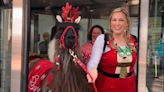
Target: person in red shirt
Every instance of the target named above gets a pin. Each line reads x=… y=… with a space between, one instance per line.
x=112 y=69
x=86 y=48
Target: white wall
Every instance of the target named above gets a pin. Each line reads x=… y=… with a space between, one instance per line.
x=104 y=23
x=83 y=31
x=134 y=26
x=45 y=23
x=101 y=22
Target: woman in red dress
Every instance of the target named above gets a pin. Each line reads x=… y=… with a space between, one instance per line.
x=86 y=48
x=112 y=68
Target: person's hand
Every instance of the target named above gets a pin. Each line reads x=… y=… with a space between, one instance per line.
x=94 y=74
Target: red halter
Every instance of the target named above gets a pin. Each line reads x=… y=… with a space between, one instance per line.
x=78 y=61
x=63 y=34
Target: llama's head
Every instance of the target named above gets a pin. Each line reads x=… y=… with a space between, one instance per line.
x=65 y=32
x=67 y=28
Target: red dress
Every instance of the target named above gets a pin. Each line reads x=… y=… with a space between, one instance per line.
x=108 y=64
x=86 y=50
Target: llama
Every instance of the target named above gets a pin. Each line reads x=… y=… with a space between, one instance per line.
x=67 y=73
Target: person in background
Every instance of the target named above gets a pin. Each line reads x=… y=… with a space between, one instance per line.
x=86 y=48
x=112 y=69
x=43 y=45
x=160 y=52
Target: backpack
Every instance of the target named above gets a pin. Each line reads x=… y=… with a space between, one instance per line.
x=105 y=40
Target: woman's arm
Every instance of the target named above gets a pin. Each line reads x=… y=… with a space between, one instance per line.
x=97 y=52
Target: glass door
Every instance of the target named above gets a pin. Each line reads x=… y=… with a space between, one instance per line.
x=5 y=45
x=155 y=58
x=13 y=45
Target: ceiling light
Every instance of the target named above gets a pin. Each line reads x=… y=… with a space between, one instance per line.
x=134 y=2
x=91 y=10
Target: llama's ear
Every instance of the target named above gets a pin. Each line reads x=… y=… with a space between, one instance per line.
x=77 y=20
x=59 y=19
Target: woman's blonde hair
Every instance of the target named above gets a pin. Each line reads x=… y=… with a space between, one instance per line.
x=127 y=34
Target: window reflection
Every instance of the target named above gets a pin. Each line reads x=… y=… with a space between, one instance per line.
x=5 y=49
x=155 y=59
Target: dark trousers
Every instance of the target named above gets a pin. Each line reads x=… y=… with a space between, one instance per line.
x=161 y=67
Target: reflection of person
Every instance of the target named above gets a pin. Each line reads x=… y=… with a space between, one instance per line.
x=112 y=68
x=160 y=51
x=86 y=48
x=43 y=45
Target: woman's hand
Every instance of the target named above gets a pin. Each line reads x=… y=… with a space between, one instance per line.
x=94 y=74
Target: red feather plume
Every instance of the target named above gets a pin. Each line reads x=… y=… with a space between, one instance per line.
x=69 y=14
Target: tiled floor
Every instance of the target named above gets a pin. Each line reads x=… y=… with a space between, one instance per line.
x=158 y=84
x=155 y=84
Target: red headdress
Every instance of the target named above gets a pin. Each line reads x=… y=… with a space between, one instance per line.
x=69 y=14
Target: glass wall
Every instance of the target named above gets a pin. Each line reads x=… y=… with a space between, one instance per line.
x=155 y=57
x=5 y=46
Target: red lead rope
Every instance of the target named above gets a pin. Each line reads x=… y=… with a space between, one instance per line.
x=77 y=60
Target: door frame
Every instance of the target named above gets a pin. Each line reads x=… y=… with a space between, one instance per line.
x=143 y=41
x=20 y=45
